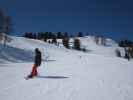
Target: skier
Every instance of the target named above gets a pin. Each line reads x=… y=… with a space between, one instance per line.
x=37 y=62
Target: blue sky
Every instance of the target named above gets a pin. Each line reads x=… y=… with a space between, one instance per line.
x=112 y=18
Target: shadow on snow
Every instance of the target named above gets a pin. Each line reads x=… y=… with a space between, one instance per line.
x=12 y=54
x=53 y=77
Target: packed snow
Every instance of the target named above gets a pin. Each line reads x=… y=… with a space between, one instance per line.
x=65 y=74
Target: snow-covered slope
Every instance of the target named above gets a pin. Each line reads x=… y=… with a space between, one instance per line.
x=64 y=74
x=109 y=50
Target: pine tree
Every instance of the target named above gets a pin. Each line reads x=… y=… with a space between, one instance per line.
x=79 y=34
x=45 y=36
x=66 y=42
x=77 y=44
x=54 y=40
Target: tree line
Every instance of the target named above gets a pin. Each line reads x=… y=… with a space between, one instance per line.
x=128 y=49
x=51 y=37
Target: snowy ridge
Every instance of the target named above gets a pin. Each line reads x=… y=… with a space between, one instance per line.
x=65 y=74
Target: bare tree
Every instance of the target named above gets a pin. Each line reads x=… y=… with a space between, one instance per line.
x=8 y=25
x=1 y=25
x=5 y=27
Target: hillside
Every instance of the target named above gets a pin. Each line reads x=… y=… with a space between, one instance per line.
x=64 y=74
